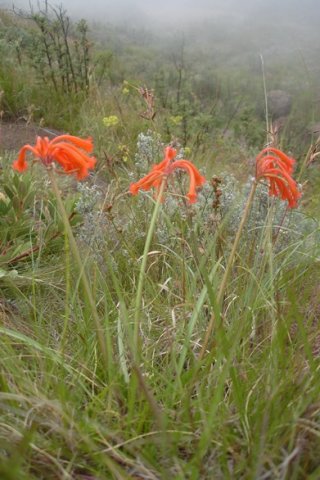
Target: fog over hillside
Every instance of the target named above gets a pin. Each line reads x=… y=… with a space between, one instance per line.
x=232 y=30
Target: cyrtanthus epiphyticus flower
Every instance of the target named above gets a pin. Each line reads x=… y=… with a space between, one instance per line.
x=277 y=168
x=161 y=171
x=70 y=152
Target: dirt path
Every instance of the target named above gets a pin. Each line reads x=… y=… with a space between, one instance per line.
x=14 y=135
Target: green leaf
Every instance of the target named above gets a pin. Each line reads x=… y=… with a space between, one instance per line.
x=4 y=207
x=9 y=191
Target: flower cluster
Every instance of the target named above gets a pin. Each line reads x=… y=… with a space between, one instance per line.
x=277 y=168
x=161 y=171
x=110 y=121
x=70 y=152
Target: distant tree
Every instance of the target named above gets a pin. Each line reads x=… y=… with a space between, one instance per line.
x=59 y=51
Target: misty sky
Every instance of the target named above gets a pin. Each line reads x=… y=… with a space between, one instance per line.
x=177 y=12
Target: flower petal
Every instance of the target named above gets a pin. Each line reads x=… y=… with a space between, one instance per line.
x=20 y=164
x=196 y=179
x=85 y=144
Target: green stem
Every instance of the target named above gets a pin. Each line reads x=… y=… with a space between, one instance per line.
x=228 y=269
x=68 y=290
x=84 y=279
x=142 y=274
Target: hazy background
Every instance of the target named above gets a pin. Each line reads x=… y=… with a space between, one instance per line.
x=230 y=32
x=271 y=27
x=180 y=12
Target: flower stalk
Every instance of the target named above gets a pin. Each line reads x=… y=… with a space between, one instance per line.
x=142 y=273
x=73 y=155
x=276 y=168
x=85 y=282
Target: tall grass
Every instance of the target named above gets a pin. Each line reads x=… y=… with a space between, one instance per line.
x=250 y=409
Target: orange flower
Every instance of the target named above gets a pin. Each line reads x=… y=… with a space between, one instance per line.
x=166 y=167
x=70 y=152
x=277 y=167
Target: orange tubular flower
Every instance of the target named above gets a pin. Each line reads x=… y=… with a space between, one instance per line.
x=277 y=168
x=166 y=167
x=70 y=152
